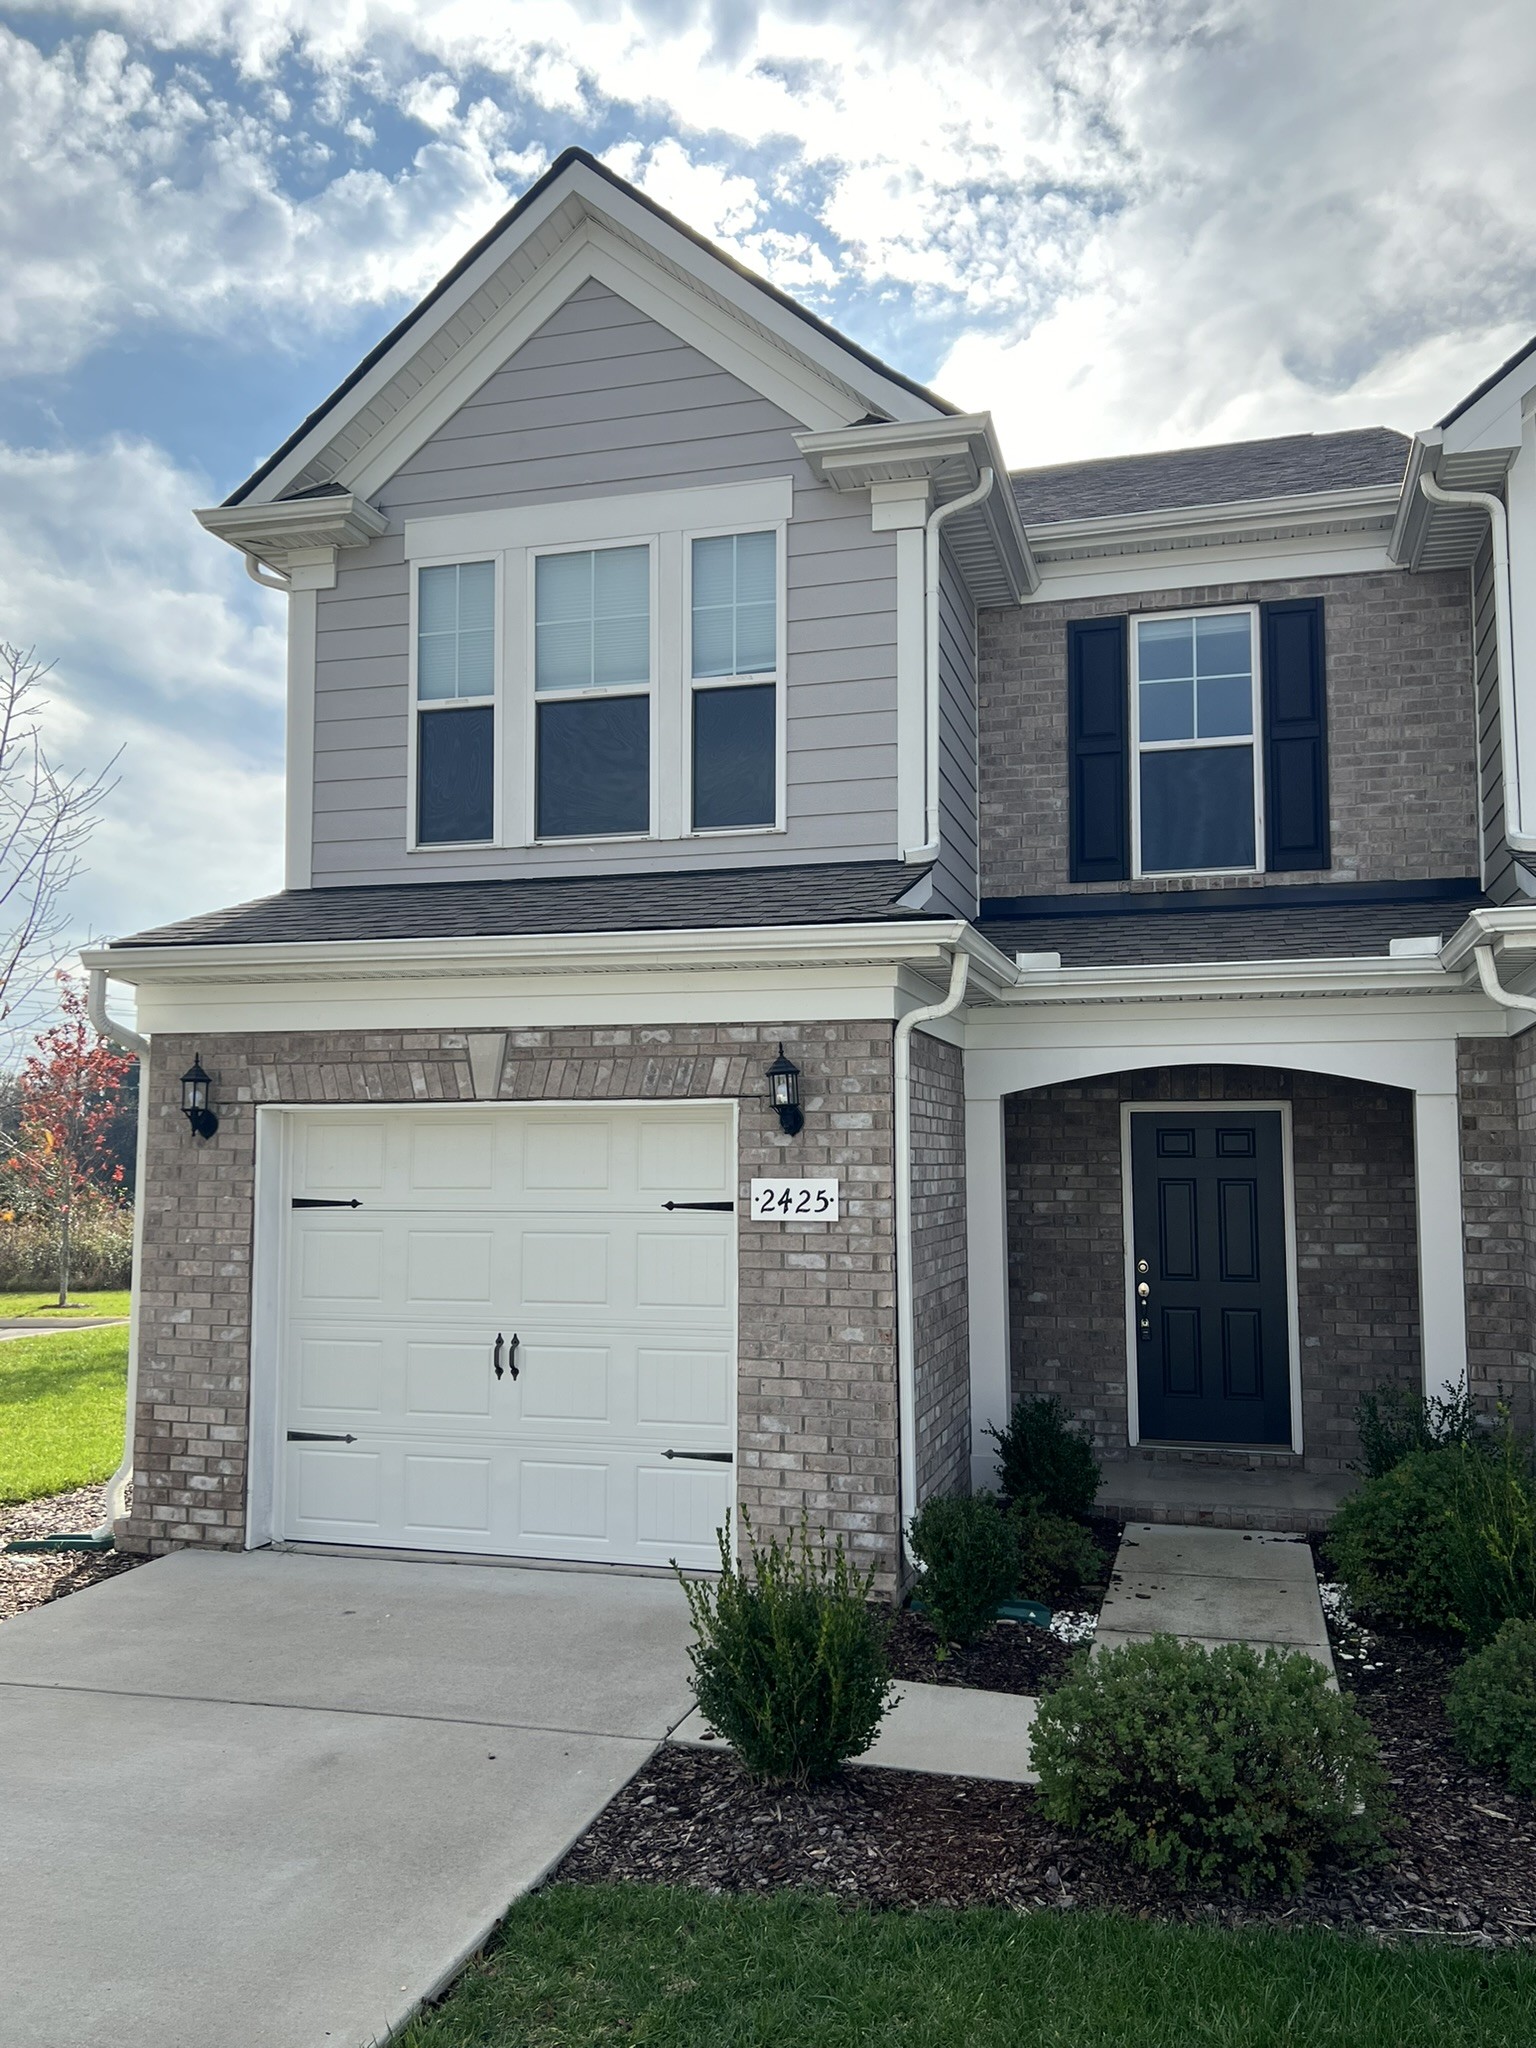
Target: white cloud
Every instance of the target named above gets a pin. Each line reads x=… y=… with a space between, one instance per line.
x=163 y=649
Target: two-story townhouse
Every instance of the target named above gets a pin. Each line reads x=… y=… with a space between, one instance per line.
x=794 y=935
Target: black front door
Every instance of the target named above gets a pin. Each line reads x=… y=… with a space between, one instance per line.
x=1211 y=1320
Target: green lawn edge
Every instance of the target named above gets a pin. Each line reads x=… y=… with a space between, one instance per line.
x=659 y=1967
x=38 y=1301
x=63 y=1406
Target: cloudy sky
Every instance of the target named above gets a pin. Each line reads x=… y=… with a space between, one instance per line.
x=1120 y=224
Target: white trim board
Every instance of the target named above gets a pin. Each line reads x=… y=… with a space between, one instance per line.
x=1128 y=1228
x=461 y=536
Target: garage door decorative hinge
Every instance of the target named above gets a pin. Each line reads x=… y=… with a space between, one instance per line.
x=318 y=1436
x=705 y=1457
x=726 y=1208
x=320 y=1202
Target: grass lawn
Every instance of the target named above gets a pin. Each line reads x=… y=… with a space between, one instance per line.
x=655 y=1968
x=61 y=1410
x=39 y=1302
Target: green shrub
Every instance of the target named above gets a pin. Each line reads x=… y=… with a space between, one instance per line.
x=1492 y=1706
x=969 y=1551
x=790 y=1665
x=1057 y=1556
x=1043 y=1456
x=1445 y=1540
x=1217 y=1766
x=1396 y=1421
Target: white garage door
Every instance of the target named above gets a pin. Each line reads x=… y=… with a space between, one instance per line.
x=425 y=1247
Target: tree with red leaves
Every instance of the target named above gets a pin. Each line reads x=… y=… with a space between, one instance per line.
x=61 y=1160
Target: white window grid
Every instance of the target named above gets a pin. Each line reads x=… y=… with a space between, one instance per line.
x=429 y=707
x=692 y=684
x=1252 y=739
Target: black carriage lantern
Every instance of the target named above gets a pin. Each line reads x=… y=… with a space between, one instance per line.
x=784 y=1093
x=194 y=1099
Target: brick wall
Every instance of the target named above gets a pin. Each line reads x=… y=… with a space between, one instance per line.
x=817 y=1379
x=943 y=1392
x=1357 y=1273
x=1402 y=774
x=1497 y=1082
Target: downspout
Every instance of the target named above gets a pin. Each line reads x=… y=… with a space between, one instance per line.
x=906 y=1319
x=1515 y=836
x=126 y=1041
x=269 y=579
x=1493 y=988
x=933 y=697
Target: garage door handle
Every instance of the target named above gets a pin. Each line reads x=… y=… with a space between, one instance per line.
x=318 y=1436
x=726 y=1208
x=320 y=1202
x=704 y=1457
x=496 y=1355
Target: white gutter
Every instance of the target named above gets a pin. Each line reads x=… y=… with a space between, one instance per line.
x=1515 y=835
x=131 y=1042
x=906 y=1320
x=933 y=697
x=1493 y=988
x=268 y=579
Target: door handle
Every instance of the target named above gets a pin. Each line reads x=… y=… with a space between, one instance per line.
x=1142 y=1290
x=512 y=1356
x=496 y=1355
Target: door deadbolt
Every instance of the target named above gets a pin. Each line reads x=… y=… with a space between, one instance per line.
x=1142 y=1266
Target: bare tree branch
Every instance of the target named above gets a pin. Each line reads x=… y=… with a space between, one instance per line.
x=46 y=817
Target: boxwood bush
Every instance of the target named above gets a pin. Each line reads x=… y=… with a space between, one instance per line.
x=790 y=1665
x=1492 y=1706
x=1044 y=1457
x=1446 y=1540
x=1057 y=1556
x=1214 y=1766
x=969 y=1553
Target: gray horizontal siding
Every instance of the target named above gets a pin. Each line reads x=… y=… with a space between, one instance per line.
x=1500 y=880
x=955 y=875
x=602 y=400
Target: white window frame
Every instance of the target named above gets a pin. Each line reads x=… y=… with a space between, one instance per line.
x=1252 y=739
x=667 y=521
x=414 y=844
x=534 y=696
x=692 y=683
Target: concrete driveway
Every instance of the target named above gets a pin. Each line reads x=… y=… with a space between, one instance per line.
x=271 y=1801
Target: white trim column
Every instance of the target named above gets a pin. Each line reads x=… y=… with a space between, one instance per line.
x=303 y=621
x=1442 y=1269
x=986 y=1208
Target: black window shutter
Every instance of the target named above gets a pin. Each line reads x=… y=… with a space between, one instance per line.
x=1295 y=735
x=1097 y=716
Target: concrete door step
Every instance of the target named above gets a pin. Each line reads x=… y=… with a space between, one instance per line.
x=952 y=1730
x=1214 y=1586
x=1185 y=1493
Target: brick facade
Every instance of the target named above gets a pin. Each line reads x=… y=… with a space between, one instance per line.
x=1497 y=1083
x=943 y=1391
x=1401 y=740
x=817 y=1361
x=1357 y=1256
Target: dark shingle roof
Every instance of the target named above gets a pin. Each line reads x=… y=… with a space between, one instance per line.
x=1210 y=927
x=834 y=893
x=1292 y=466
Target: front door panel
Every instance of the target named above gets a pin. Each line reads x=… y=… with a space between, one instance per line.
x=1211 y=1316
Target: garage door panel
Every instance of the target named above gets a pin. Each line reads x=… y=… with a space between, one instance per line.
x=343 y=1373
x=682 y=1387
x=544 y=1226
x=448 y=1265
x=565 y=1268
x=565 y=1383
x=447 y=1380
x=450 y=1494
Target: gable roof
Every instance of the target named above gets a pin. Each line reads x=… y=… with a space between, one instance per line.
x=1234 y=472
x=575 y=169
x=1482 y=390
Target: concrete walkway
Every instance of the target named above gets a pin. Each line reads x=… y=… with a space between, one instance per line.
x=39 y=1326
x=1214 y=1586
x=272 y=1801
x=957 y=1731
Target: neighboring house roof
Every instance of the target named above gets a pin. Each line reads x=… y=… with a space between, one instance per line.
x=563 y=164
x=1294 y=465
x=861 y=892
x=1466 y=404
x=1211 y=925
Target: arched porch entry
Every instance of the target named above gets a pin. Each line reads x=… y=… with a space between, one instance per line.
x=1373 y=1223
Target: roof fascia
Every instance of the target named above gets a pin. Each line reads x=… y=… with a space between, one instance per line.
x=1236 y=980
x=1369 y=506
x=918 y=943
x=1510 y=930
x=821 y=357
x=274 y=533
x=1519 y=364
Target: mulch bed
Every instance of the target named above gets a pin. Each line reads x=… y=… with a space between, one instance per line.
x=1464 y=1866
x=36 y=1577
